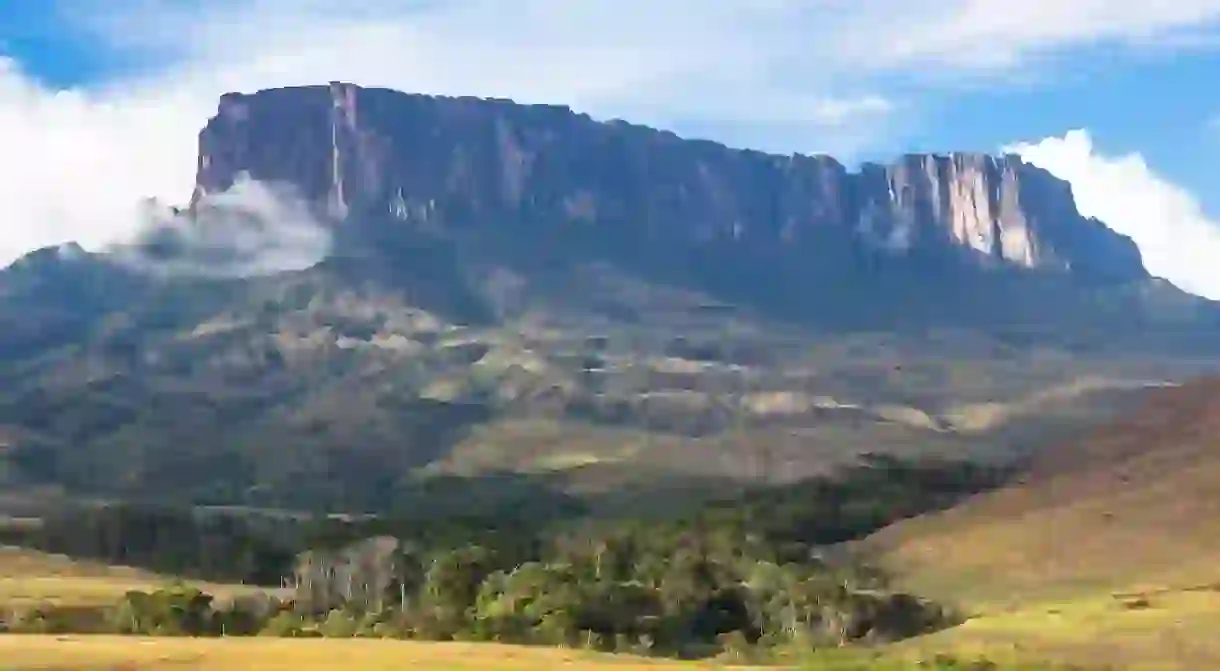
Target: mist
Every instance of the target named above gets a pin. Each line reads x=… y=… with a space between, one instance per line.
x=253 y=228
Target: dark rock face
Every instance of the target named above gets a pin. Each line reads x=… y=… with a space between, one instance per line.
x=462 y=163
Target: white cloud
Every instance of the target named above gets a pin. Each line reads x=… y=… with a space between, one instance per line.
x=994 y=35
x=778 y=75
x=1176 y=237
x=251 y=228
x=76 y=164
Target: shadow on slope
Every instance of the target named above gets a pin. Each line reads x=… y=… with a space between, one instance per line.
x=188 y=446
x=1129 y=505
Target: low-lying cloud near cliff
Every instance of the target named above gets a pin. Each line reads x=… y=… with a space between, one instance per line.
x=83 y=165
x=1176 y=237
x=253 y=228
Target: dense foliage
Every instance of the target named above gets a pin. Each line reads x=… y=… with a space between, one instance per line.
x=686 y=592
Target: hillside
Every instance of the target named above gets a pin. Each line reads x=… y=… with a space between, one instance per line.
x=1129 y=507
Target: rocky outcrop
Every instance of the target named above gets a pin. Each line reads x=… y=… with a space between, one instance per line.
x=996 y=207
x=469 y=162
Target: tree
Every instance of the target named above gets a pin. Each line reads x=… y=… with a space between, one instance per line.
x=177 y=611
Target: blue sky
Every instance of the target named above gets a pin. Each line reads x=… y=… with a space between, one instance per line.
x=103 y=98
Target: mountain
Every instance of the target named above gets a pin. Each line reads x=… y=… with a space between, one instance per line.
x=468 y=162
x=471 y=286
x=526 y=193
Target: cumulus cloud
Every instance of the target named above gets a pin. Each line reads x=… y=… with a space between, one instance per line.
x=1176 y=237
x=76 y=163
x=252 y=228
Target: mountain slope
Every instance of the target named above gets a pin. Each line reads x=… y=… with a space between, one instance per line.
x=1131 y=505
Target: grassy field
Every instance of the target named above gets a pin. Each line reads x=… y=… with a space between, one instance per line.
x=1166 y=630
x=95 y=653
x=29 y=578
x=114 y=653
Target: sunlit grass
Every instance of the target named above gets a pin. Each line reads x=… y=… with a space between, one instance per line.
x=1169 y=629
x=31 y=578
x=94 y=653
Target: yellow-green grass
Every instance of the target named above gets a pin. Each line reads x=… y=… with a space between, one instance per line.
x=31 y=578
x=1161 y=630
x=111 y=653
x=1133 y=509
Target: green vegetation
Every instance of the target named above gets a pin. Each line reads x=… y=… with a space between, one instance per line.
x=739 y=578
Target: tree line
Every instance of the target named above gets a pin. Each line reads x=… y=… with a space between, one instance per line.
x=742 y=576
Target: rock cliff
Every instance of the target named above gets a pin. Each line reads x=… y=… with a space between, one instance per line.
x=469 y=162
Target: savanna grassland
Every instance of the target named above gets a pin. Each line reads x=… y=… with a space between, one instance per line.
x=97 y=653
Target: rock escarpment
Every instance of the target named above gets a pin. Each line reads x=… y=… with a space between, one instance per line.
x=463 y=163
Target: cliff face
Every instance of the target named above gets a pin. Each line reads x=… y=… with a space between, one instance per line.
x=996 y=207
x=467 y=162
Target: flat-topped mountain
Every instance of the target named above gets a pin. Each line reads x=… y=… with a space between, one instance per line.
x=463 y=286
x=535 y=169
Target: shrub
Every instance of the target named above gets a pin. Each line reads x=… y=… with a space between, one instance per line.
x=176 y=611
x=339 y=624
x=286 y=625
